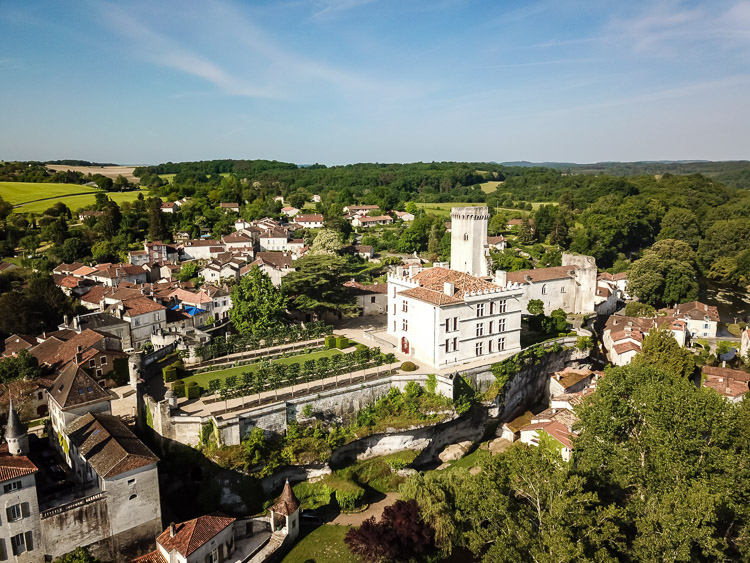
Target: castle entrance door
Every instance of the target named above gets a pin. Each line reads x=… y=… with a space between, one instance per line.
x=404 y=345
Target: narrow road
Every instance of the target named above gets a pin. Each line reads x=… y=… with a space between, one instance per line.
x=375 y=509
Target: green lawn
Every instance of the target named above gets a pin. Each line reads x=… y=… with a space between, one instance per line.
x=324 y=544
x=203 y=378
x=20 y=192
x=23 y=194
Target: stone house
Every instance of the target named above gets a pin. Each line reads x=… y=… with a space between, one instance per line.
x=275 y=264
x=702 y=320
x=208 y=538
x=366 y=222
x=732 y=384
x=226 y=207
x=372 y=299
x=145 y=316
x=310 y=221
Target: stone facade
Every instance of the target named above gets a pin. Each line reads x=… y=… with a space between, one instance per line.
x=469 y=249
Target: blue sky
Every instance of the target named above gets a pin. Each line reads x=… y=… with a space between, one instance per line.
x=342 y=81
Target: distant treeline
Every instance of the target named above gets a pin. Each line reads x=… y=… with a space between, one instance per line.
x=79 y=163
x=734 y=173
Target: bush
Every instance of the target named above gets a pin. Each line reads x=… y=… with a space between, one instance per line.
x=330 y=342
x=170 y=373
x=350 y=498
x=307 y=410
x=179 y=388
x=583 y=342
x=360 y=347
x=342 y=342
x=193 y=390
x=431 y=384
x=408 y=366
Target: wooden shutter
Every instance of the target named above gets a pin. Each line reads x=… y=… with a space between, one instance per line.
x=8 y=514
x=25 y=512
x=208 y=558
x=221 y=552
x=3 y=551
x=29 y=541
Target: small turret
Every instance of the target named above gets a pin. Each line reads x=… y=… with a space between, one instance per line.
x=16 y=434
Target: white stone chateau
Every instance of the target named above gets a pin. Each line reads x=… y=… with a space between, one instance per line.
x=444 y=317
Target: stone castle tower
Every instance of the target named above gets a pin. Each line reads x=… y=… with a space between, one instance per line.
x=16 y=434
x=469 y=249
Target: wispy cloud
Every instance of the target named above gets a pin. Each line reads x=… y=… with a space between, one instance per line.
x=240 y=58
x=330 y=9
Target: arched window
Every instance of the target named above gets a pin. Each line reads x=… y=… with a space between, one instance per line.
x=466 y=236
x=132 y=497
x=544 y=289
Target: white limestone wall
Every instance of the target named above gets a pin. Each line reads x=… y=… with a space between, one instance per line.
x=469 y=240
x=133 y=500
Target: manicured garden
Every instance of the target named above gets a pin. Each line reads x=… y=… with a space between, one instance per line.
x=203 y=378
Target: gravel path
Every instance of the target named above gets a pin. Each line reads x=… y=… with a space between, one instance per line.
x=375 y=510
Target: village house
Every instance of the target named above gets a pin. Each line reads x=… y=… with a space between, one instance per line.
x=702 y=320
x=516 y=223
x=144 y=315
x=169 y=207
x=372 y=299
x=275 y=264
x=206 y=538
x=570 y=380
x=606 y=298
x=618 y=282
x=289 y=211
x=239 y=240
x=359 y=210
x=201 y=249
x=227 y=207
x=158 y=251
x=404 y=216
x=497 y=243
x=623 y=336
x=732 y=384
x=273 y=240
x=312 y=221
x=366 y=222
x=557 y=433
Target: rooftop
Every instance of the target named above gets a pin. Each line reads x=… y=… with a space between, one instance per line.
x=191 y=535
x=14 y=466
x=108 y=445
x=432 y=286
x=541 y=274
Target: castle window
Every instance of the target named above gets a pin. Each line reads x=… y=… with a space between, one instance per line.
x=480 y=310
x=500 y=344
x=489 y=346
x=501 y=325
x=131 y=481
x=466 y=236
x=502 y=306
x=103 y=360
x=478 y=348
x=544 y=289
x=404 y=306
x=562 y=289
x=491 y=328
x=132 y=497
x=480 y=329
x=92 y=363
x=492 y=309
x=404 y=325
x=372 y=299
x=14 y=486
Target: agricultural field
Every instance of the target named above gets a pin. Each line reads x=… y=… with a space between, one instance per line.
x=444 y=209
x=29 y=197
x=23 y=192
x=109 y=171
x=489 y=187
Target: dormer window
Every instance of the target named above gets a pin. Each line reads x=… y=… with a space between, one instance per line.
x=80 y=391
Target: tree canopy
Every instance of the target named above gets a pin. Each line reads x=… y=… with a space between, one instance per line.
x=257 y=305
x=317 y=285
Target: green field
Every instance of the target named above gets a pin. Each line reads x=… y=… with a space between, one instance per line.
x=22 y=192
x=203 y=378
x=24 y=195
x=444 y=209
x=324 y=544
x=489 y=187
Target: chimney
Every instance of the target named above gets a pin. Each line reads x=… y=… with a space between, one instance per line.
x=413 y=270
x=66 y=319
x=79 y=355
x=76 y=322
x=449 y=288
x=501 y=277
x=172 y=530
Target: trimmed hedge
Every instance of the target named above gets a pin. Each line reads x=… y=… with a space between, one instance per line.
x=179 y=388
x=342 y=342
x=350 y=498
x=330 y=342
x=193 y=390
x=408 y=366
x=170 y=373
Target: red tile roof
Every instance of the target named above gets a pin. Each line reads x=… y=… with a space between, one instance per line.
x=140 y=306
x=151 y=557
x=626 y=347
x=725 y=385
x=108 y=445
x=727 y=373
x=540 y=274
x=191 y=535
x=312 y=218
x=432 y=282
x=13 y=467
x=694 y=310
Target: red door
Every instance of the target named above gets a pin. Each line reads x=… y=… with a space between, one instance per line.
x=404 y=345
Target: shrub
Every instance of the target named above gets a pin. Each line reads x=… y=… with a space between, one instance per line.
x=431 y=384
x=330 y=342
x=360 y=347
x=342 y=342
x=307 y=410
x=583 y=342
x=350 y=498
x=170 y=373
x=179 y=388
x=408 y=366
x=193 y=390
